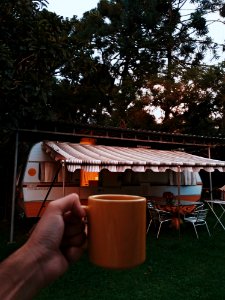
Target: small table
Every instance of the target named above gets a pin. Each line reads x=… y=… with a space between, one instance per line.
x=221 y=204
x=183 y=206
x=177 y=208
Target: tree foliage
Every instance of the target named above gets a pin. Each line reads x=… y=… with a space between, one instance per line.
x=195 y=102
x=33 y=46
x=121 y=45
x=107 y=67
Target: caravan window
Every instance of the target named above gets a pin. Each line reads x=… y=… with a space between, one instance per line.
x=47 y=171
x=186 y=178
x=155 y=178
x=70 y=177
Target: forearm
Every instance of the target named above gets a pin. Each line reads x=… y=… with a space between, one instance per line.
x=20 y=276
x=56 y=241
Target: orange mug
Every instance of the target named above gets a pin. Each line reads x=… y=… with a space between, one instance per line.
x=116 y=230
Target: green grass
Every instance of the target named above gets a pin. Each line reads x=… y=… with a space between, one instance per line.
x=176 y=267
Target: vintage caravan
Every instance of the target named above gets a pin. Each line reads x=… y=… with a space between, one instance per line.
x=56 y=169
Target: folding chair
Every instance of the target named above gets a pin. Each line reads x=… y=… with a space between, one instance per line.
x=198 y=218
x=197 y=208
x=158 y=216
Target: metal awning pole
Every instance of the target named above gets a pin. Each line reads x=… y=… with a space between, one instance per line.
x=48 y=192
x=64 y=176
x=14 y=188
x=210 y=176
x=178 y=193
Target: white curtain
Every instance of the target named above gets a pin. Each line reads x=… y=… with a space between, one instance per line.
x=186 y=178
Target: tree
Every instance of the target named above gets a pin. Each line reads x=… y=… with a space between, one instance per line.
x=176 y=88
x=33 y=48
x=109 y=67
x=106 y=60
x=121 y=45
x=193 y=104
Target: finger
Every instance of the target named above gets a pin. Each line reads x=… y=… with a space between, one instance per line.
x=74 y=229
x=72 y=254
x=68 y=203
x=69 y=217
x=74 y=241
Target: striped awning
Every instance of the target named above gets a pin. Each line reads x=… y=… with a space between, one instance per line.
x=94 y=158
